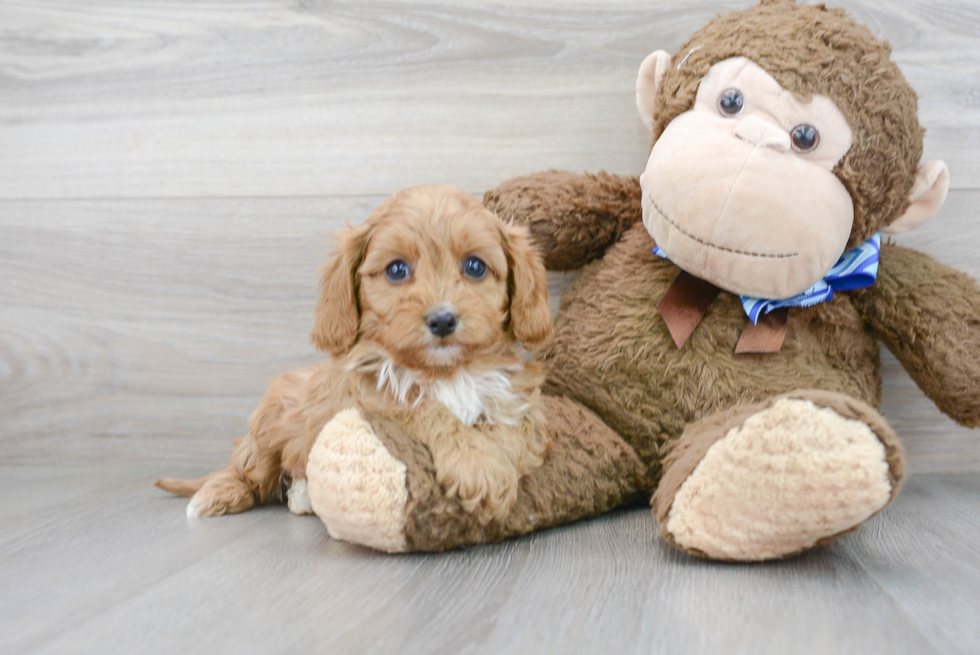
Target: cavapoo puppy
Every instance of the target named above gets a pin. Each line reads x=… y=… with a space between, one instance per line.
x=423 y=311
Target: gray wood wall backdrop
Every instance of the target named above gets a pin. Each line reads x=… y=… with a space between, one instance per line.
x=170 y=171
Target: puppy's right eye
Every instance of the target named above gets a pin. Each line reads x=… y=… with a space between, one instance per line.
x=474 y=268
x=396 y=271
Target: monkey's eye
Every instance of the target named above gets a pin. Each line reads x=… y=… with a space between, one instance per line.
x=396 y=271
x=731 y=102
x=804 y=137
x=474 y=268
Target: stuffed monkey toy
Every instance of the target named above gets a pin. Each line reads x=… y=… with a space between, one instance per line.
x=718 y=349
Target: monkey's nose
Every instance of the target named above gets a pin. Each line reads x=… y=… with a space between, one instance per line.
x=441 y=322
x=762 y=133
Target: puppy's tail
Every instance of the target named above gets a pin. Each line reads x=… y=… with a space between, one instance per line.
x=184 y=488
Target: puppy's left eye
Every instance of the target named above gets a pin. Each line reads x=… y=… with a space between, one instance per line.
x=474 y=268
x=396 y=271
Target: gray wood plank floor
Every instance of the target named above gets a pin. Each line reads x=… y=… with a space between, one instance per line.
x=94 y=560
x=169 y=174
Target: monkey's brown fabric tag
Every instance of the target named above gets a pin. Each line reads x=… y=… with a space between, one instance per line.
x=685 y=304
x=766 y=336
x=687 y=301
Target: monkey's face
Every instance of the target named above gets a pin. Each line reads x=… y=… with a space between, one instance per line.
x=740 y=190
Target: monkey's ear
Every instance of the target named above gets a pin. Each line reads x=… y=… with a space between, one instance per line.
x=927 y=196
x=648 y=81
x=337 y=316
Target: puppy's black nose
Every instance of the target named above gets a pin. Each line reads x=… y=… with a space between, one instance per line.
x=441 y=323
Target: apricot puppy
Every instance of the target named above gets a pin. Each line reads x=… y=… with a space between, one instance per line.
x=424 y=311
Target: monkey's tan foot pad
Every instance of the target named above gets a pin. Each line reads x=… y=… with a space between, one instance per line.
x=356 y=487
x=775 y=479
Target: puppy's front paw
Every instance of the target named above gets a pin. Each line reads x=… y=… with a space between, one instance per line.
x=485 y=484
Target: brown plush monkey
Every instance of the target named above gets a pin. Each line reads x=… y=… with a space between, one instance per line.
x=783 y=138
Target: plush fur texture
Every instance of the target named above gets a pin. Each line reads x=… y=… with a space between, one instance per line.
x=824 y=487
x=469 y=395
x=596 y=210
x=814 y=49
x=628 y=412
x=612 y=353
x=730 y=200
x=360 y=491
x=929 y=316
x=832 y=477
x=588 y=471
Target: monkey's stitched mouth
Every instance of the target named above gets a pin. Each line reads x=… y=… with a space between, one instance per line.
x=663 y=215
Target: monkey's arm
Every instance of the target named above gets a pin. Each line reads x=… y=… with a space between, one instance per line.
x=929 y=316
x=572 y=217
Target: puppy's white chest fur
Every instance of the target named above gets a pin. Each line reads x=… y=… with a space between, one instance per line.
x=469 y=396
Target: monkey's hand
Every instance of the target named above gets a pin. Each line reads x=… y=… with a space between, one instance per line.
x=928 y=315
x=572 y=217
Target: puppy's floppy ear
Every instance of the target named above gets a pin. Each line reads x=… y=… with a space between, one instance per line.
x=338 y=315
x=530 y=317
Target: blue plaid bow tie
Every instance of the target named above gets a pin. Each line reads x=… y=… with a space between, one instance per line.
x=856 y=269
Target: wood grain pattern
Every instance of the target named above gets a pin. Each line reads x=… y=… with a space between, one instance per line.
x=271 y=98
x=169 y=173
x=117 y=568
x=140 y=324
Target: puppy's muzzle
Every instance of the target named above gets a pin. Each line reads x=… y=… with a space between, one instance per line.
x=441 y=321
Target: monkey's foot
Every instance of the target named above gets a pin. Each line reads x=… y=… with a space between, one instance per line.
x=356 y=487
x=777 y=478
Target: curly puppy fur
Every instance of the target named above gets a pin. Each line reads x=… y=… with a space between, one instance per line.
x=469 y=396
